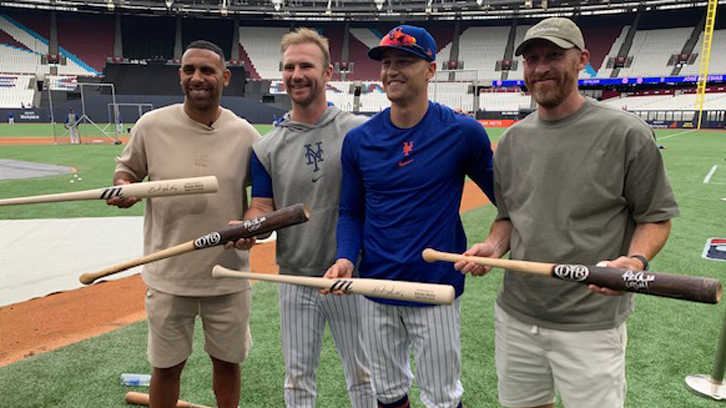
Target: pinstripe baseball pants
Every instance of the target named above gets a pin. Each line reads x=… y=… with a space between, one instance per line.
x=389 y=332
x=303 y=313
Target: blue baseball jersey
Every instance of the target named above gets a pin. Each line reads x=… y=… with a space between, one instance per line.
x=402 y=191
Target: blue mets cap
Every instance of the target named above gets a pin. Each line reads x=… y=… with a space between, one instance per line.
x=407 y=38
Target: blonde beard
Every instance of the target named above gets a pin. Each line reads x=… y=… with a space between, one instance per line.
x=552 y=96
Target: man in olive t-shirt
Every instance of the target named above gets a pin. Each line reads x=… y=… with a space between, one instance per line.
x=575 y=182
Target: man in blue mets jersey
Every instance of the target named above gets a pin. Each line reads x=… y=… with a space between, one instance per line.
x=403 y=178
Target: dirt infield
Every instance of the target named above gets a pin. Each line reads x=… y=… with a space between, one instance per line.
x=47 y=323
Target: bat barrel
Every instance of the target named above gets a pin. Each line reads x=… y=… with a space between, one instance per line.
x=160 y=188
x=288 y=216
x=693 y=288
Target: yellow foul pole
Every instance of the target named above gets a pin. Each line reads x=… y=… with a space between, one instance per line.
x=705 y=58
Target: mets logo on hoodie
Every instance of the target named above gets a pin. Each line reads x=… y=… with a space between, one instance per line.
x=314 y=156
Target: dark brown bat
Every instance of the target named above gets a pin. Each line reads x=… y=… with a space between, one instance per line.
x=282 y=218
x=696 y=289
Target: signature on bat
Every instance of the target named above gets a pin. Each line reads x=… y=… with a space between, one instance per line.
x=637 y=279
x=387 y=289
x=254 y=224
x=162 y=188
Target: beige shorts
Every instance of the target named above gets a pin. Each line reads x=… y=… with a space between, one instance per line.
x=225 y=320
x=587 y=368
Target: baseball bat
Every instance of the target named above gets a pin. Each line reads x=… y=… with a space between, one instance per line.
x=140 y=398
x=160 y=188
x=282 y=218
x=387 y=289
x=693 y=288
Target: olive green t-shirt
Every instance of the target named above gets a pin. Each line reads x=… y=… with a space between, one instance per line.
x=574 y=190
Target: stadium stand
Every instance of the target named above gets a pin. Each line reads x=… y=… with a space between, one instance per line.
x=16 y=91
x=91 y=50
x=518 y=72
x=598 y=40
x=36 y=45
x=362 y=39
x=511 y=100
x=86 y=41
x=262 y=45
x=338 y=93
x=335 y=37
x=715 y=100
x=606 y=68
x=651 y=50
x=718 y=59
x=481 y=47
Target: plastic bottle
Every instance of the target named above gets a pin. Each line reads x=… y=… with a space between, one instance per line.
x=136 y=380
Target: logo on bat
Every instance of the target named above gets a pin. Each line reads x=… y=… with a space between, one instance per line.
x=111 y=192
x=577 y=273
x=208 y=240
x=341 y=284
x=637 y=280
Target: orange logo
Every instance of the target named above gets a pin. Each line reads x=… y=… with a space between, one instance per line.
x=407 y=147
x=398 y=37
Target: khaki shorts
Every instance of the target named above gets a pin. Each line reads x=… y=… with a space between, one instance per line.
x=225 y=320
x=587 y=368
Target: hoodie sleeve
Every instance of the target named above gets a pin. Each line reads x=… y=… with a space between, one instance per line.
x=261 y=180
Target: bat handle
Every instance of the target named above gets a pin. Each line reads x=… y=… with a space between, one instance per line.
x=90 y=277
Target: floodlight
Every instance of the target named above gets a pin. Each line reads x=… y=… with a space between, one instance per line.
x=379 y=4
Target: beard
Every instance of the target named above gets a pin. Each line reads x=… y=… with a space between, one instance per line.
x=200 y=103
x=551 y=94
x=305 y=100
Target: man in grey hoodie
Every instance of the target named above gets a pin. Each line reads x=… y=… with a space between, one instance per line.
x=299 y=162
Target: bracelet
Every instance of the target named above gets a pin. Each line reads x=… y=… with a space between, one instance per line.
x=642 y=259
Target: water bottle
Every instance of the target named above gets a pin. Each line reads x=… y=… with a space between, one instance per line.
x=136 y=380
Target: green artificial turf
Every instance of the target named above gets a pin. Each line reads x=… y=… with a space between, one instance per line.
x=668 y=339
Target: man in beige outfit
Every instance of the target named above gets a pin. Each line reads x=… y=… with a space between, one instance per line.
x=198 y=138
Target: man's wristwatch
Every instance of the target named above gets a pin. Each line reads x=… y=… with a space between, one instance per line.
x=642 y=259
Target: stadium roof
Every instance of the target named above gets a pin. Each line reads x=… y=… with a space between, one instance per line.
x=340 y=10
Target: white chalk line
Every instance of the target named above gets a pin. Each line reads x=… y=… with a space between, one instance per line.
x=709 y=175
x=674 y=135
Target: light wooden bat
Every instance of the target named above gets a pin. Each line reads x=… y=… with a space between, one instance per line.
x=693 y=288
x=140 y=398
x=387 y=289
x=282 y=218
x=161 y=188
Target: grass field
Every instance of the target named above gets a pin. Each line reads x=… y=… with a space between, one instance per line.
x=668 y=339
